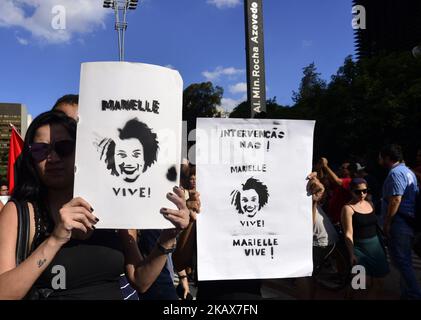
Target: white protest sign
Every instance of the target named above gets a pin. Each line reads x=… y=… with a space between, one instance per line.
x=256 y=218
x=128 y=145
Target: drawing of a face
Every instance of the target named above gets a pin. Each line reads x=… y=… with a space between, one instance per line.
x=131 y=153
x=129 y=158
x=249 y=200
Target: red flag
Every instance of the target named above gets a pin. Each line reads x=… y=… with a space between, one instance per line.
x=15 y=149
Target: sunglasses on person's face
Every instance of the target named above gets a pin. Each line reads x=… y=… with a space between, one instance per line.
x=360 y=191
x=40 y=151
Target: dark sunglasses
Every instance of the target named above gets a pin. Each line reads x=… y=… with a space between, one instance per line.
x=360 y=191
x=40 y=151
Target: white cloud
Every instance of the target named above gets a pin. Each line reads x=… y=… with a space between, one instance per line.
x=224 y=3
x=220 y=71
x=170 y=66
x=38 y=17
x=229 y=104
x=22 y=41
x=240 y=87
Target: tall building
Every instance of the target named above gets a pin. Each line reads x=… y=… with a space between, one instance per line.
x=10 y=113
x=391 y=26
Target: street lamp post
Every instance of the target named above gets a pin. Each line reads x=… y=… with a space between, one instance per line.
x=256 y=84
x=120 y=8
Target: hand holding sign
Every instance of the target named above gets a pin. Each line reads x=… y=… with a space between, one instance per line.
x=193 y=203
x=74 y=216
x=179 y=218
x=315 y=187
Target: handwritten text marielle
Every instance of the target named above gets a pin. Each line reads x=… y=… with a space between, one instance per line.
x=131 y=105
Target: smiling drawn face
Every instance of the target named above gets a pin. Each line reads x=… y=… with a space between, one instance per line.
x=131 y=152
x=129 y=158
x=249 y=200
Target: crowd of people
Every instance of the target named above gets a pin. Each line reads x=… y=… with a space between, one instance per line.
x=348 y=205
x=375 y=222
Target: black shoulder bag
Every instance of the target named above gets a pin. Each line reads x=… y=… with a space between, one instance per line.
x=22 y=246
x=22 y=242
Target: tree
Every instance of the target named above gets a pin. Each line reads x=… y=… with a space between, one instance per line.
x=273 y=110
x=201 y=100
x=311 y=84
x=366 y=104
x=241 y=111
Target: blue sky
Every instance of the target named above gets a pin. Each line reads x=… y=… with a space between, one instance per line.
x=202 y=39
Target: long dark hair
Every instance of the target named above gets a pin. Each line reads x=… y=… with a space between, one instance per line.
x=28 y=184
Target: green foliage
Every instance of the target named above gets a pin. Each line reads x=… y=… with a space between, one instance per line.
x=273 y=110
x=311 y=85
x=365 y=105
x=201 y=100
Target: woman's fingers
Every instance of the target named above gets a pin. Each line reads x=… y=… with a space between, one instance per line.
x=179 y=218
x=79 y=202
x=178 y=200
x=70 y=212
x=79 y=226
x=80 y=217
x=176 y=221
x=92 y=218
x=312 y=176
x=176 y=213
x=179 y=191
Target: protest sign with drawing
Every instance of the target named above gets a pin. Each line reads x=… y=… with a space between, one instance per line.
x=128 y=146
x=256 y=219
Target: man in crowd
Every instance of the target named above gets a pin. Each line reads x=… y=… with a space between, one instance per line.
x=68 y=104
x=398 y=208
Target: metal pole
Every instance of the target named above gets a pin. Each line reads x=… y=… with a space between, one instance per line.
x=124 y=29
x=120 y=10
x=117 y=28
x=256 y=86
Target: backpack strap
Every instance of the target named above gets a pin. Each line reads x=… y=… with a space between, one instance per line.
x=22 y=241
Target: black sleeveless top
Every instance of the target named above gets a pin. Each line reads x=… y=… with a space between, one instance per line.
x=92 y=269
x=364 y=225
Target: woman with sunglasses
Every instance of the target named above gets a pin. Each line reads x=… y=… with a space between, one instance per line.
x=359 y=222
x=68 y=258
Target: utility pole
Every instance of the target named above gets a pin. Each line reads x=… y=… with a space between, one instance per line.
x=120 y=8
x=256 y=84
